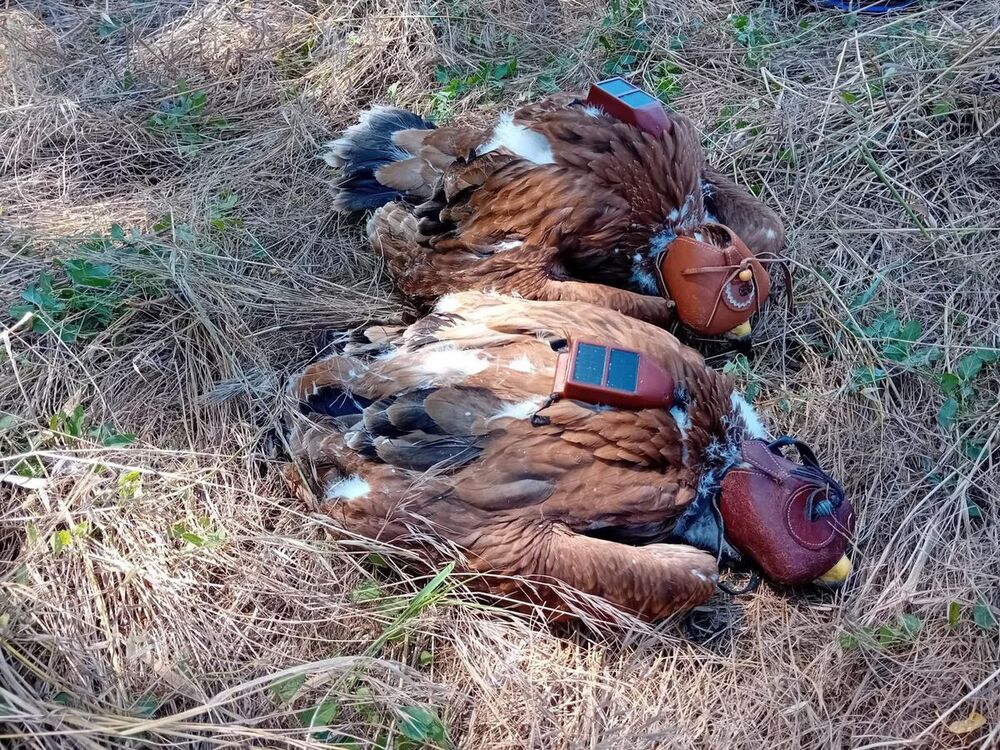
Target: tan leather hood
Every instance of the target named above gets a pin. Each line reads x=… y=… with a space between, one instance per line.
x=713 y=279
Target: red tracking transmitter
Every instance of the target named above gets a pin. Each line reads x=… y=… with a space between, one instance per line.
x=630 y=104
x=599 y=374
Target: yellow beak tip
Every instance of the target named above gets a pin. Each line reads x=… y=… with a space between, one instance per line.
x=839 y=573
x=741 y=331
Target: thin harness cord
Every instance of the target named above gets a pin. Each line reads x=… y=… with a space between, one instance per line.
x=754 y=581
x=735 y=271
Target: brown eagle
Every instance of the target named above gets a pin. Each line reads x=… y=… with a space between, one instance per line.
x=555 y=201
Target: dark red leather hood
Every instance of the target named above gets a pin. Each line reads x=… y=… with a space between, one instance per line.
x=791 y=518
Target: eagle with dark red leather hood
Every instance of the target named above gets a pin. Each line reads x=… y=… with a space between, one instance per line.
x=444 y=436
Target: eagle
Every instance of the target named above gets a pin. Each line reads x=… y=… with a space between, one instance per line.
x=444 y=436
x=557 y=200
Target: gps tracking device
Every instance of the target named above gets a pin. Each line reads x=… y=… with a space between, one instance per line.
x=628 y=103
x=599 y=374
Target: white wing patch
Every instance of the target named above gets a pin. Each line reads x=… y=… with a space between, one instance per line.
x=449 y=303
x=682 y=419
x=453 y=362
x=518 y=139
x=522 y=364
x=683 y=424
x=520 y=409
x=350 y=488
x=755 y=428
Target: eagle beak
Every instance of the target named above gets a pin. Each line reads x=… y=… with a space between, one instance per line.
x=836 y=576
x=741 y=337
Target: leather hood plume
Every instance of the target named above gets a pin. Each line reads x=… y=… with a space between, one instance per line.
x=713 y=279
x=792 y=519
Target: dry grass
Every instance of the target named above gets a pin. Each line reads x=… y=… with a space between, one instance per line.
x=880 y=144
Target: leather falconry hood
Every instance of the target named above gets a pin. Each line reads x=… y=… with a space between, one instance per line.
x=713 y=279
x=792 y=518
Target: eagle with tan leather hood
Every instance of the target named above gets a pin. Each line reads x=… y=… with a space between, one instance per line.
x=594 y=199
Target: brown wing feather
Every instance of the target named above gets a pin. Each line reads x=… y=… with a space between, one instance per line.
x=652 y=581
x=548 y=214
x=756 y=223
x=654 y=175
x=473 y=173
x=411 y=176
x=434 y=152
x=555 y=103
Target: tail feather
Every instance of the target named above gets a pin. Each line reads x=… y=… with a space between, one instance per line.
x=362 y=150
x=335 y=402
x=395 y=235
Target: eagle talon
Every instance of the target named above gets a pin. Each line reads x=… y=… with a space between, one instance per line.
x=707 y=623
x=748 y=588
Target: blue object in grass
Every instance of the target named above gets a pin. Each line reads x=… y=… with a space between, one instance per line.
x=866 y=6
